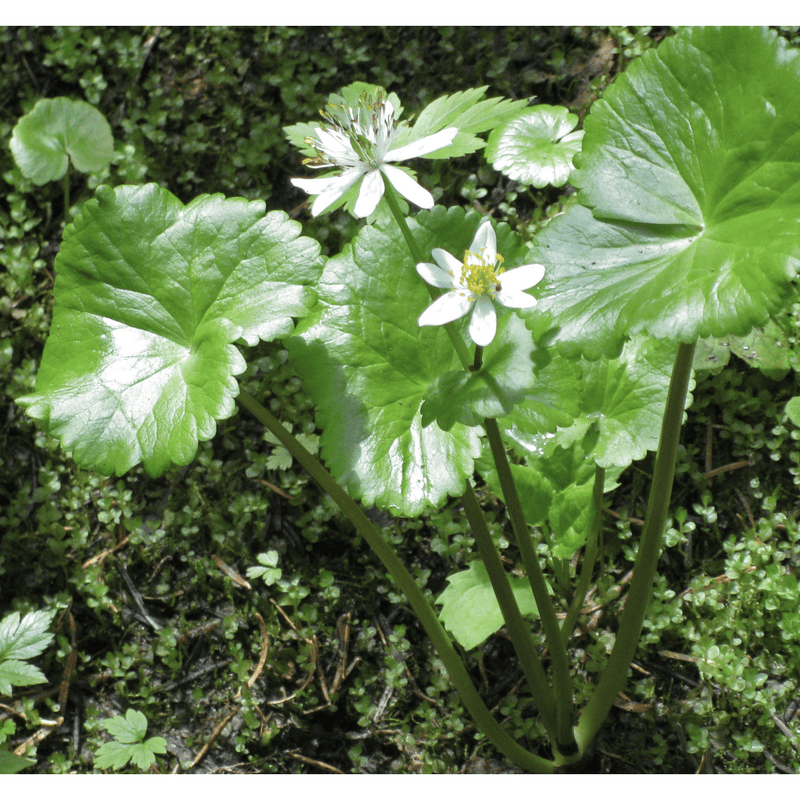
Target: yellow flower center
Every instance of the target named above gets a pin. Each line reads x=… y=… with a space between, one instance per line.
x=481 y=276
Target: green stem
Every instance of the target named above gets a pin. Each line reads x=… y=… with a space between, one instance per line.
x=615 y=672
x=589 y=556
x=562 y=679
x=419 y=257
x=517 y=628
x=419 y=603
x=67 y=215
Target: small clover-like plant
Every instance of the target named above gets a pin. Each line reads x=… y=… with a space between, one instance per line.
x=280 y=458
x=129 y=743
x=268 y=571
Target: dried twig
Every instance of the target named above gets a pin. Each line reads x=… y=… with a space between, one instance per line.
x=231 y=573
x=314 y=763
x=214 y=735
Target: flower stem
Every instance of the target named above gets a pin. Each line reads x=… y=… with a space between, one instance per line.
x=517 y=628
x=419 y=257
x=615 y=672
x=422 y=608
x=67 y=215
x=589 y=556
x=562 y=680
x=478 y=360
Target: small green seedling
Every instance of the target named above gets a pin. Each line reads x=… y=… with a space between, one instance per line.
x=56 y=132
x=269 y=571
x=129 y=743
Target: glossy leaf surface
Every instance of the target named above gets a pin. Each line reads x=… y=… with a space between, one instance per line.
x=536 y=147
x=367 y=364
x=691 y=168
x=150 y=296
x=621 y=403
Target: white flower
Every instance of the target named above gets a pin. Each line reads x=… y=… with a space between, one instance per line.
x=359 y=142
x=475 y=284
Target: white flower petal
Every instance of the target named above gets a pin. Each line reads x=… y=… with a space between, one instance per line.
x=486 y=241
x=336 y=147
x=336 y=187
x=450 y=264
x=523 y=277
x=423 y=146
x=370 y=194
x=445 y=309
x=483 y=325
x=515 y=299
x=315 y=185
x=435 y=275
x=408 y=187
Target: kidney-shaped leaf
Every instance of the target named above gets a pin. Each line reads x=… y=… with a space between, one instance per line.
x=367 y=364
x=691 y=168
x=150 y=296
x=57 y=130
x=537 y=146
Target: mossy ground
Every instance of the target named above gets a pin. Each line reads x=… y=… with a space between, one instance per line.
x=147 y=570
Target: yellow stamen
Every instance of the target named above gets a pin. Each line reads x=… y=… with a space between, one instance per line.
x=480 y=276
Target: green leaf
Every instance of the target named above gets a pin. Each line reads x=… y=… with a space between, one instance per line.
x=793 y=410
x=535 y=491
x=691 y=168
x=710 y=356
x=621 y=401
x=506 y=377
x=280 y=458
x=25 y=637
x=22 y=638
x=143 y=754
x=297 y=135
x=367 y=365
x=570 y=516
x=537 y=146
x=469 y=607
x=57 y=130
x=112 y=755
x=18 y=673
x=465 y=111
x=129 y=732
x=767 y=347
x=149 y=298
x=269 y=572
x=115 y=755
x=10 y=763
x=129 y=728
